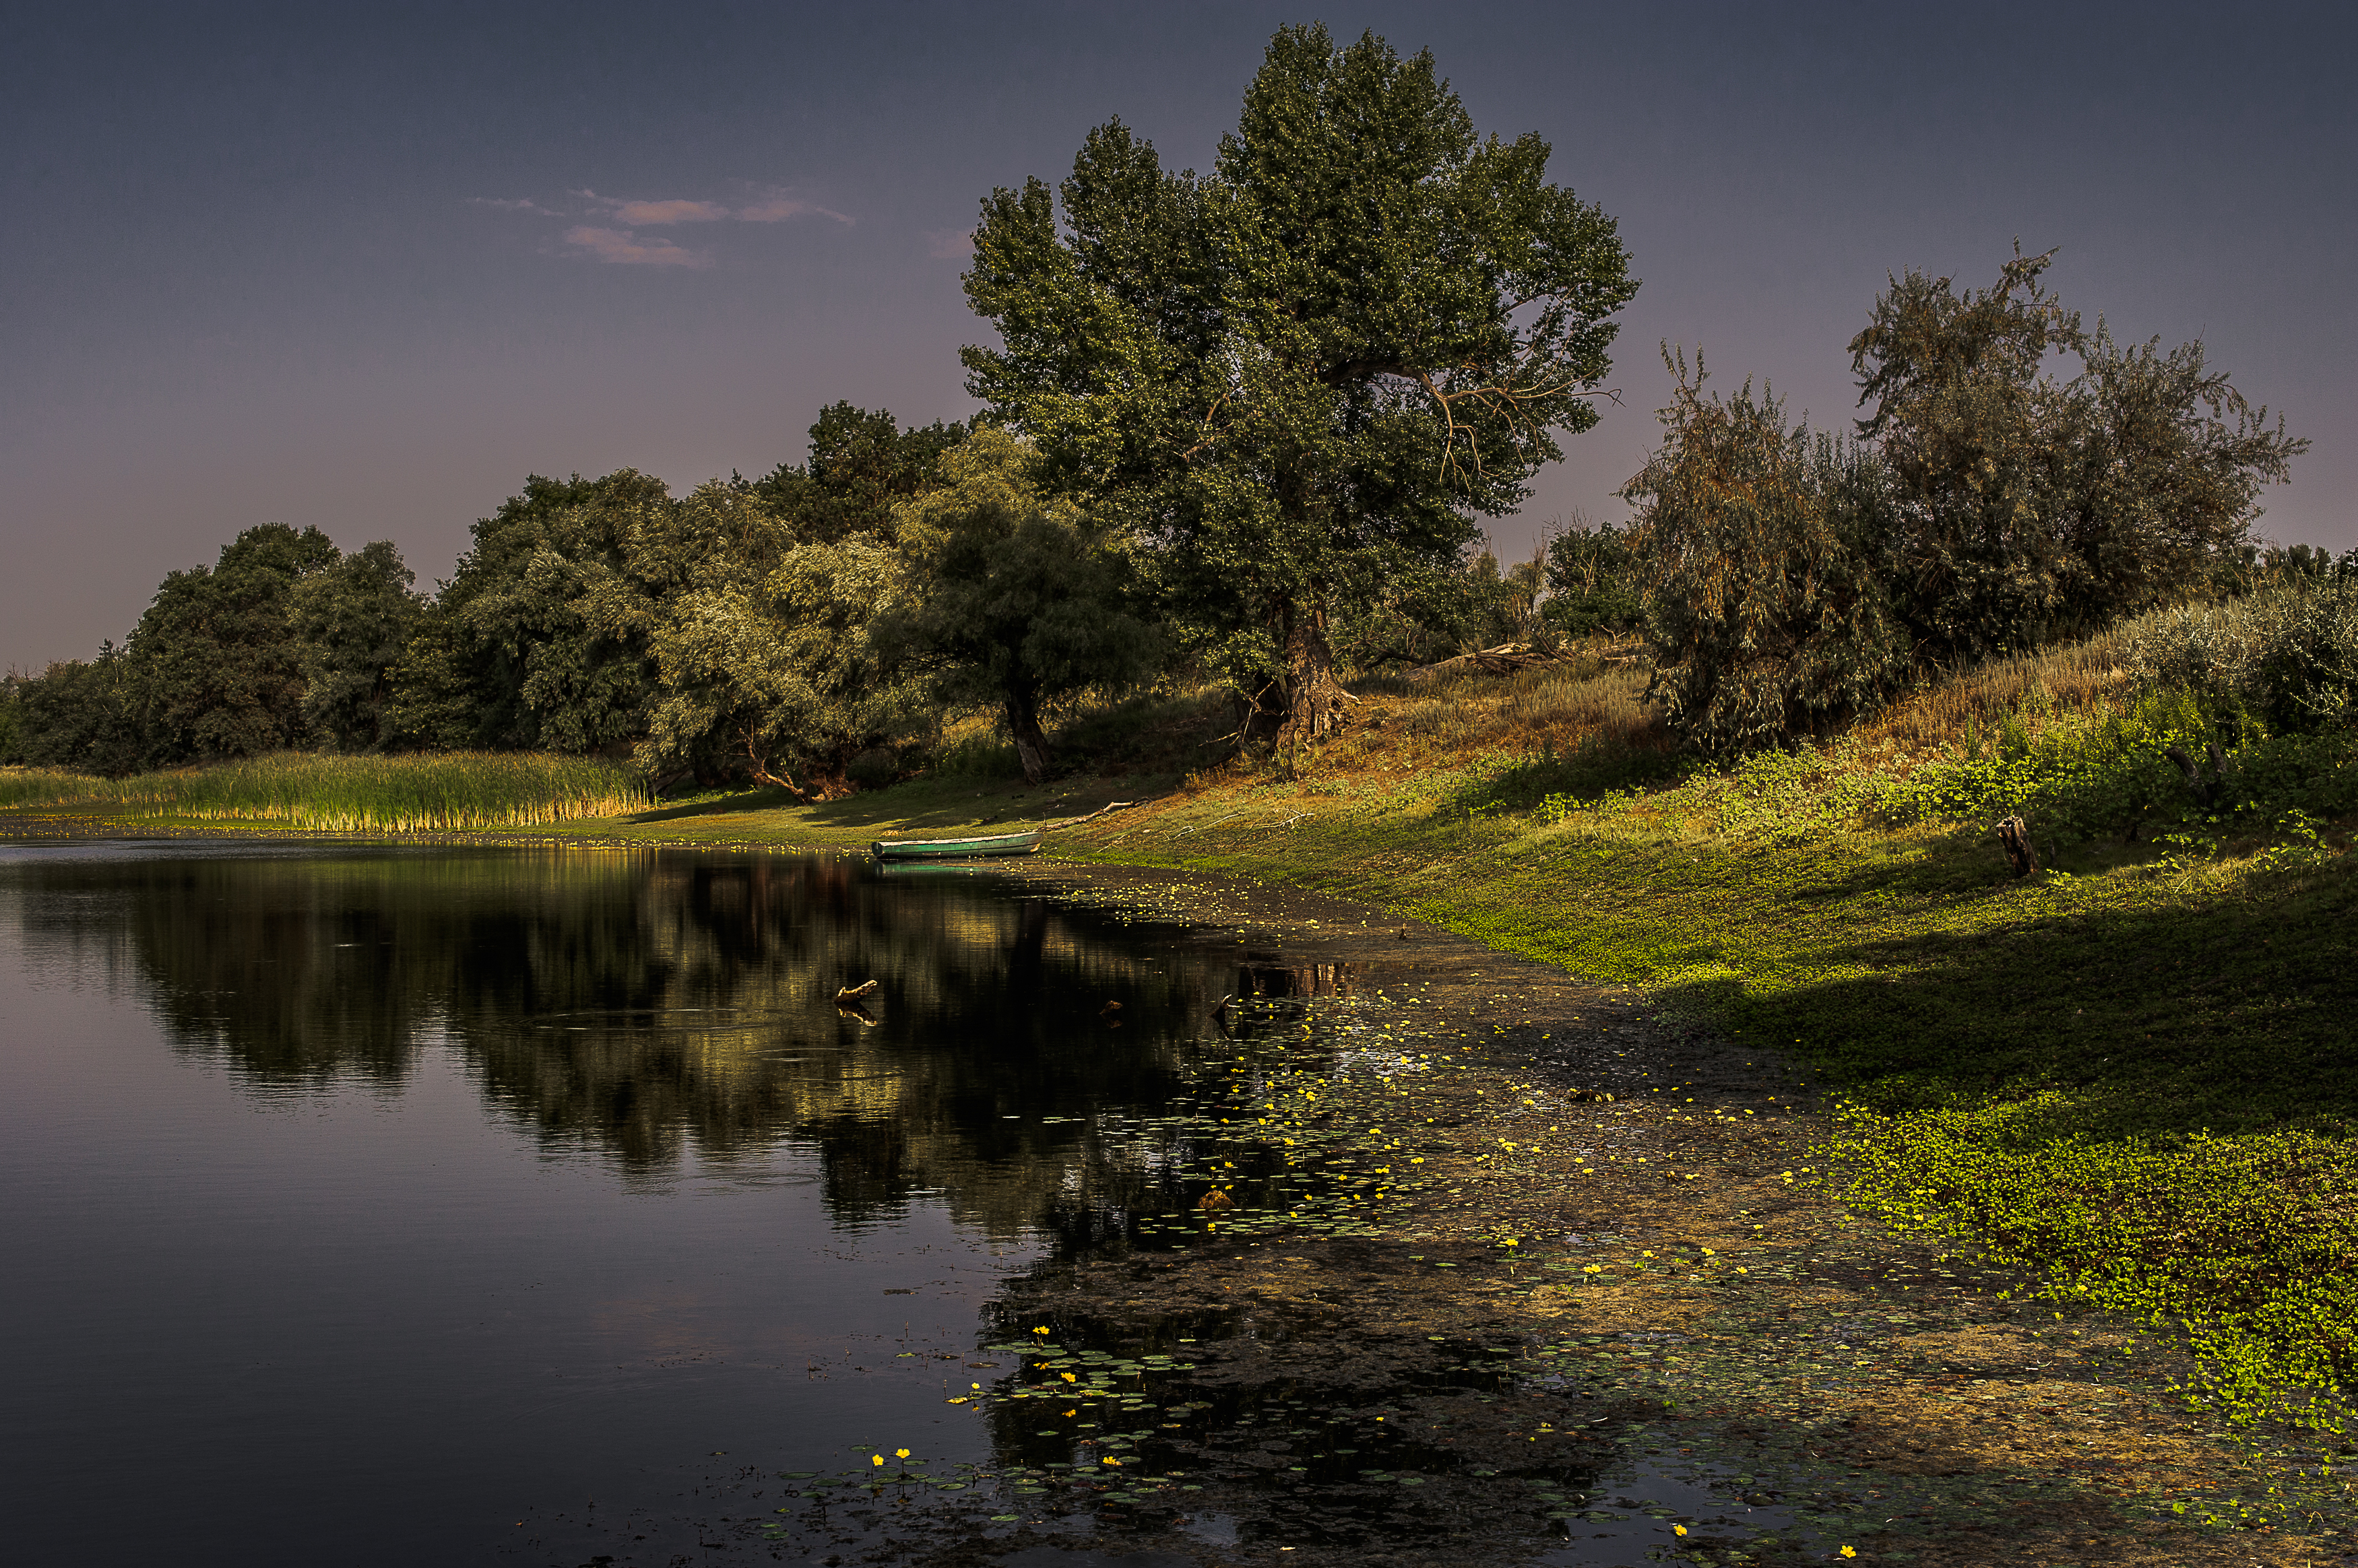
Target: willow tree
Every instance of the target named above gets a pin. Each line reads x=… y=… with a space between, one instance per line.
x=1311 y=368
x=2035 y=508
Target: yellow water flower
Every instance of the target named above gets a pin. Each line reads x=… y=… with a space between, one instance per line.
x=900 y=1453
x=876 y=1459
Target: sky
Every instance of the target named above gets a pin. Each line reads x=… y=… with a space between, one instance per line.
x=368 y=268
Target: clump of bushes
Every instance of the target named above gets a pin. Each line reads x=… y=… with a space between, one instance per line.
x=1987 y=507
x=2285 y=659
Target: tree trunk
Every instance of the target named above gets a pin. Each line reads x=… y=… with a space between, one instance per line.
x=1031 y=745
x=1304 y=701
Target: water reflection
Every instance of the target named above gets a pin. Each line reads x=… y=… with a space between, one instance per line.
x=646 y=1004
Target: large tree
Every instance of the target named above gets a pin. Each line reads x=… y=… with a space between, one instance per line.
x=350 y=622
x=1314 y=366
x=758 y=602
x=862 y=464
x=504 y=657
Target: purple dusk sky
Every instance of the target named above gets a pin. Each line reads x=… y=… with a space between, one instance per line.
x=369 y=269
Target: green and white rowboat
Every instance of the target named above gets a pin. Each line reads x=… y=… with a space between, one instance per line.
x=956 y=849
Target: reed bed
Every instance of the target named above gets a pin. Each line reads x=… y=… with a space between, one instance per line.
x=445 y=792
x=38 y=787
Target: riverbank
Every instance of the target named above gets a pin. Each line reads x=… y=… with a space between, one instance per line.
x=2121 y=1082
x=1501 y=1256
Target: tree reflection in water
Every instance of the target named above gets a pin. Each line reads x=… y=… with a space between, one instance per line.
x=644 y=1003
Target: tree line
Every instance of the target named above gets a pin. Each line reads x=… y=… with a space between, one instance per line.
x=1239 y=427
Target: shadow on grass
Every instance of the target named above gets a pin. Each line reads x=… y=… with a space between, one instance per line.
x=767 y=798
x=1597 y=767
x=2233 y=1013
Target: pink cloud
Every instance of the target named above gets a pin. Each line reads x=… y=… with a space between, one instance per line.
x=657 y=212
x=777 y=206
x=624 y=248
x=949 y=244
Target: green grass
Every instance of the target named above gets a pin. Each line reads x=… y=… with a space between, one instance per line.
x=453 y=792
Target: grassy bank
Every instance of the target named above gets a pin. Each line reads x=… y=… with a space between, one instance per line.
x=2129 y=1075
x=452 y=792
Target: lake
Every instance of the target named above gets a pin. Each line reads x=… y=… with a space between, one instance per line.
x=390 y=1205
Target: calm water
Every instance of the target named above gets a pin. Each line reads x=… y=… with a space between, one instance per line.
x=360 y=1204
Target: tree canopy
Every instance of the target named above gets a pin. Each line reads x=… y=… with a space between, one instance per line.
x=1989 y=505
x=214 y=667
x=1314 y=366
x=2034 y=507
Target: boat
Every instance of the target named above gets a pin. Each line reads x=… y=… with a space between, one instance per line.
x=956 y=849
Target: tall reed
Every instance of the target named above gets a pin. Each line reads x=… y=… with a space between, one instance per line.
x=38 y=787
x=437 y=792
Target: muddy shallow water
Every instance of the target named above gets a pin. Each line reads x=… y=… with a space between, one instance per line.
x=548 y=1207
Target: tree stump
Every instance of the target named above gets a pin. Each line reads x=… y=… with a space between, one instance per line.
x=2013 y=837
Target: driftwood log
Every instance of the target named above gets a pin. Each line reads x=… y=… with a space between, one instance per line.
x=2013 y=837
x=1100 y=811
x=1503 y=660
x=1508 y=657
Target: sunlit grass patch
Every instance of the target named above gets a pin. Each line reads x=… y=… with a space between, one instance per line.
x=2032 y=689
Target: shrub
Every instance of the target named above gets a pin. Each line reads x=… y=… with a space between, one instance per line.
x=1755 y=545
x=2285 y=658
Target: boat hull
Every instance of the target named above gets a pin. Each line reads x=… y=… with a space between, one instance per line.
x=904 y=850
